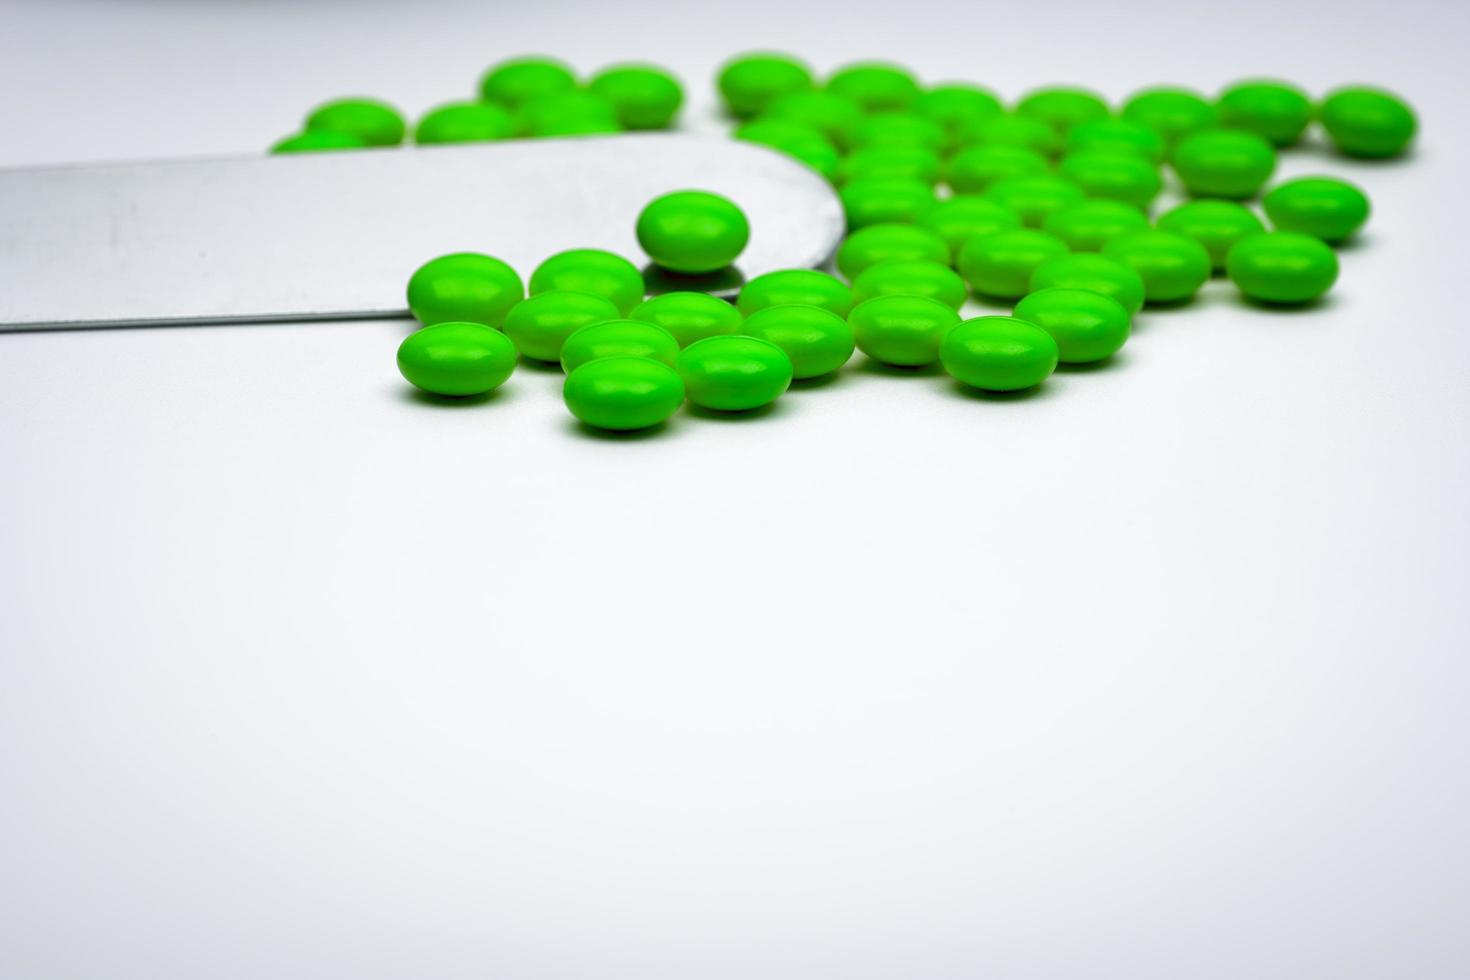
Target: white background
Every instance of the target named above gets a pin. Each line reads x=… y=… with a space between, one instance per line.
x=1157 y=673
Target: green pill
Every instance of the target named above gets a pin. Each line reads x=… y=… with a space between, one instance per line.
x=457 y=359
x=690 y=317
x=693 y=231
x=374 y=122
x=880 y=200
x=1325 y=207
x=734 y=374
x=795 y=140
x=1001 y=265
x=889 y=243
x=974 y=169
x=899 y=129
x=618 y=338
x=955 y=105
x=1061 y=107
x=464 y=287
x=1088 y=226
x=317 y=142
x=1116 y=136
x=875 y=86
x=909 y=162
x=591 y=270
x=1010 y=130
x=1086 y=326
x=1282 y=267
x=572 y=113
x=1124 y=177
x=466 y=122
x=1036 y=197
x=905 y=331
x=749 y=83
x=1172 y=267
x=1217 y=225
x=931 y=280
x=795 y=287
x=817 y=340
x=643 y=96
x=1368 y=122
x=623 y=393
x=1173 y=113
x=1228 y=163
x=1278 y=112
x=518 y=81
x=834 y=116
x=999 y=353
x=1094 y=273
x=541 y=324
x=958 y=219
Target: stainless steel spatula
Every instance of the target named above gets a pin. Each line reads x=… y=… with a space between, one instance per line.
x=336 y=235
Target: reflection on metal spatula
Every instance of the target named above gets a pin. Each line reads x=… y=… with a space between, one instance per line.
x=336 y=235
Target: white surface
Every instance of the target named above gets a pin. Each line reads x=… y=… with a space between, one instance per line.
x=1158 y=673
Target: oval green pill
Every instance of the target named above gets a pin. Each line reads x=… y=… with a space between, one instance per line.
x=1001 y=265
x=1061 y=107
x=1172 y=267
x=1282 y=267
x=374 y=122
x=1010 y=129
x=317 y=142
x=457 y=359
x=464 y=287
x=999 y=353
x=1368 y=122
x=974 y=169
x=902 y=330
x=835 y=117
x=909 y=162
x=881 y=200
x=899 y=129
x=466 y=122
x=795 y=140
x=1116 y=136
x=1036 y=197
x=887 y=243
x=690 y=317
x=623 y=393
x=954 y=105
x=931 y=280
x=1278 y=112
x=1173 y=113
x=1125 y=177
x=1226 y=163
x=1094 y=273
x=875 y=86
x=577 y=112
x=591 y=270
x=749 y=83
x=693 y=231
x=541 y=324
x=517 y=81
x=643 y=96
x=817 y=340
x=1217 y=225
x=1325 y=207
x=1087 y=226
x=1087 y=326
x=618 y=338
x=965 y=216
x=734 y=374
x=795 y=287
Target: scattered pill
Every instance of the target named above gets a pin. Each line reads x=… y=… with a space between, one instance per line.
x=1087 y=326
x=515 y=82
x=1172 y=267
x=734 y=374
x=817 y=340
x=457 y=359
x=317 y=142
x=1215 y=224
x=874 y=85
x=693 y=231
x=575 y=112
x=998 y=353
x=1368 y=122
x=1010 y=129
x=1224 y=163
x=374 y=122
x=466 y=122
x=464 y=287
x=973 y=170
x=643 y=96
x=1173 y=113
x=931 y=280
x=623 y=394
x=962 y=217
x=1001 y=265
x=591 y=270
x=618 y=338
x=888 y=243
x=1088 y=226
x=749 y=83
x=1327 y=207
x=1116 y=136
x=539 y=325
x=795 y=287
x=1095 y=273
x=1282 y=267
x=1278 y=112
x=899 y=129
x=911 y=162
x=902 y=330
x=1114 y=176
x=878 y=200
x=1061 y=107
x=1036 y=197
x=829 y=113
x=690 y=317
x=956 y=104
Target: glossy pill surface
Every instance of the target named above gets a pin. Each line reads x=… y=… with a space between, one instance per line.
x=1116 y=136
x=962 y=217
x=817 y=340
x=879 y=200
x=1113 y=176
x=1172 y=267
x=374 y=122
x=643 y=96
x=899 y=129
x=1224 y=163
x=1326 y=207
x=1215 y=224
x=466 y=122
x=1087 y=326
x=1173 y=113
x=875 y=86
x=1368 y=122
x=1278 y=112
x=539 y=325
x=1282 y=267
x=690 y=317
x=973 y=170
x=1001 y=265
x=888 y=243
x=1094 y=273
x=457 y=359
x=1061 y=107
x=591 y=270
x=795 y=287
x=622 y=394
x=517 y=81
x=956 y=104
x=1086 y=227
x=902 y=330
x=693 y=231
x=1010 y=129
x=832 y=115
x=749 y=83
x=1036 y=197
x=576 y=112
x=999 y=353
x=734 y=374
x=464 y=287
x=931 y=280
x=913 y=162
x=618 y=338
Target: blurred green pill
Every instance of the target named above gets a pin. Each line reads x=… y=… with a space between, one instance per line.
x=690 y=317
x=795 y=287
x=1173 y=113
x=749 y=83
x=318 y=142
x=734 y=374
x=954 y=105
x=1036 y=197
x=999 y=353
x=374 y=122
x=1172 y=267
x=1061 y=107
x=817 y=340
x=1001 y=265
x=965 y=216
x=466 y=122
x=875 y=86
x=1087 y=226
x=1226 y=163
x=878 y=200
x=1094 y=273
x=575 y=112
x=902 y=330
x=643 y=96
x=1278 y=112
x=889 y=243
x=795 y=140
x=1087 y=326
x=1115 y=176
x=834 y=116
x=457 y=359
x=1368 y=122
x=622 y=394
x=1116 y=136
x=899 y=129
x=910 y=162
x=693 y=231
x=618 y=338
x=1282 y=267
x=517 y=81
x=1010 y=130
x=1325 y=207
x=931 y=280
x=1217 y=225
x=464 y=287
x=541 y=324
x=591 y=270
x=974 y=169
